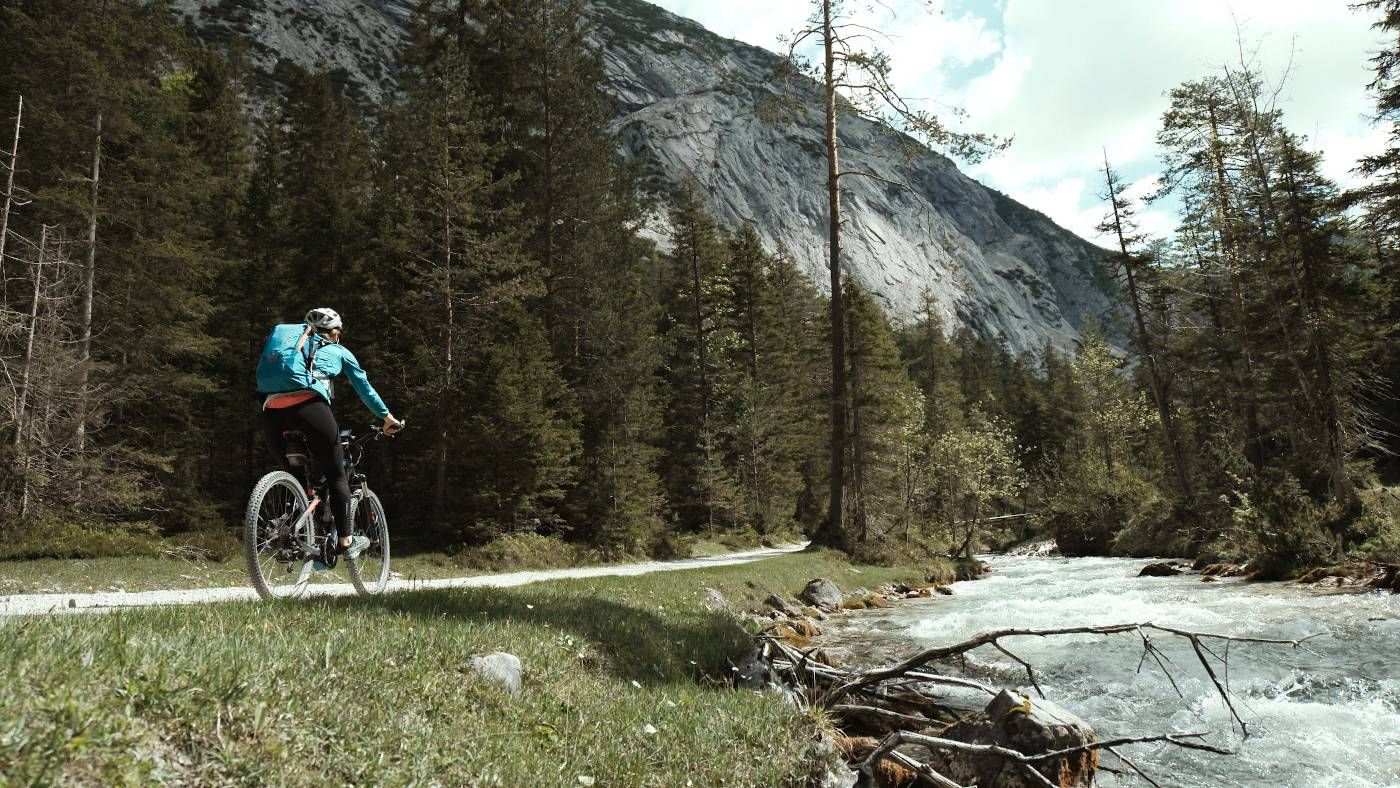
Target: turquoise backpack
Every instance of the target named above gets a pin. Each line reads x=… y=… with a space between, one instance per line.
x=287 y=359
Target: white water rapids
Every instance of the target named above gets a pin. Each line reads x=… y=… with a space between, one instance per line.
x=1327 y=714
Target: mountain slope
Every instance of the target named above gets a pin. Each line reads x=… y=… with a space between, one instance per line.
x=688 y=105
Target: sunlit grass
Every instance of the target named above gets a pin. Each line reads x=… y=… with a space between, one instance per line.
x=380 y=691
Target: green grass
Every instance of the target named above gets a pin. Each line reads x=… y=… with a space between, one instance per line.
x=145 y=573
x=175 y=566
x=380 y=692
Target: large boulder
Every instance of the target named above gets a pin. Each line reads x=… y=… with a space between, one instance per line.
x=822 y=593
x=1159 y=569
x=1028 y=726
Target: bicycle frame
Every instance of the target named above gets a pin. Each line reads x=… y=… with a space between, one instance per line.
x=352 y=460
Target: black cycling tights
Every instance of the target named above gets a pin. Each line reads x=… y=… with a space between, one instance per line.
x=313 y=419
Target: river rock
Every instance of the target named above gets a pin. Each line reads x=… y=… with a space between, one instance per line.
x=1160 y=569
x=1387 y=578
x=714 y=600
x=754 y=671
x=500 y=669
x=1029 y=726
x=782 y=606
x=1223 y=570
x=822 y=593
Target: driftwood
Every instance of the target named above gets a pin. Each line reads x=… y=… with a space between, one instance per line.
x=901 y=705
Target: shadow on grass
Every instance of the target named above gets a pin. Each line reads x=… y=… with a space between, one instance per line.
x=634 y=641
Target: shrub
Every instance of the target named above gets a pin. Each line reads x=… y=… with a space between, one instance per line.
x=1281 y=527
x=524 y=551
x=1379 y=525
x=47 y=536
x=206 y=544
x=1087 y=510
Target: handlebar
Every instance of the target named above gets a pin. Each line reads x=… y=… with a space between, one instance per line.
x=375 y=433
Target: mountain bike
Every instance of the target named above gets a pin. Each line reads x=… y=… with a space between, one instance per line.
x=287 y=528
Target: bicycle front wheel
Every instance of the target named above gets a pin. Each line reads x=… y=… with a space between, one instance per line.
x=369 y=573
x=277 y=537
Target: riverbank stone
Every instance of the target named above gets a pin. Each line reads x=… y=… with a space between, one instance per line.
x=822 y=593
x=1223 y=570
x=1026 y=725
x=714 y=600
x=782 y=606
x=501 y=669
x=1159 y=569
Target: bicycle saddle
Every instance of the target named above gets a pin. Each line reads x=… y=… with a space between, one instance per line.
x=296 y=448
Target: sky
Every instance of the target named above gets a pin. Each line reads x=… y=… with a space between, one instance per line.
x=1071 y=79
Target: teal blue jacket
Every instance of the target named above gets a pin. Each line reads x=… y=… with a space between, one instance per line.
x=332 y=359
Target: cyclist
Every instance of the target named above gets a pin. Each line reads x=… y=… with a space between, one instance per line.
x=307 y=409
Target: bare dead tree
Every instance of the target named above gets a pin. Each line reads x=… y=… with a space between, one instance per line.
x=26 y=372
x=89 y=283
x=26 y=369
x=43 y=393
x=10 y=201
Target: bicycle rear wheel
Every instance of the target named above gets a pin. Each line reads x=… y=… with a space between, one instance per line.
x=277 y=539
x=369 y=573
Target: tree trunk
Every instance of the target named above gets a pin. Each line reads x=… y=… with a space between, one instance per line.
x=857 y=442
x=1244 y=368
x=1343 y=490
x=444 y=395
x=21 y=425
x=833 y=534
x=89 y=281
x=700 y=347
x=1158 y=384
x=9 y=201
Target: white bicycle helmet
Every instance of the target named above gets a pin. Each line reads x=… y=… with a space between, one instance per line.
x=323 y=319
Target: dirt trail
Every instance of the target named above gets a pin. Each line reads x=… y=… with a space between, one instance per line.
x=35 y=604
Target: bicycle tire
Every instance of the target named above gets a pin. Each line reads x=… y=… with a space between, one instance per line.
x=277 y=502
x=369 y=573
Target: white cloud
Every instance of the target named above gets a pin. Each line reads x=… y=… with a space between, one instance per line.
x=1069 y=79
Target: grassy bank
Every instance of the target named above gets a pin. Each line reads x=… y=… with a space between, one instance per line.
x=380 y=691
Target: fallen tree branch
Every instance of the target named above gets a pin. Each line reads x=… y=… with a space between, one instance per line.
x=883 y=714
x=1129 y=763
x=903 y=697
x=1028 y=762
x=877 y=675
x=934 y=743
x=922 y=769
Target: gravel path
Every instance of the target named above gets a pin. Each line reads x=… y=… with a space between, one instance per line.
x=33 y=604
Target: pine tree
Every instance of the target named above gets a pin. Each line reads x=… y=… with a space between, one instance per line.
x=117 y=158
x=1121 y=223
x=883 y=407
x=466 y=281
x=699 y=485
x=771 y=430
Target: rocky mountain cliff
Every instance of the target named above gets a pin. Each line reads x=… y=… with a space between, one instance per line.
x=688 y=105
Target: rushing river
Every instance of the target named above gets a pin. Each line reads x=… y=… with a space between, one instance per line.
x=1325 y=715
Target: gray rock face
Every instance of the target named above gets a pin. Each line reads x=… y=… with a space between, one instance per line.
x=822 y=593
x=501 y=669
x=688 y=105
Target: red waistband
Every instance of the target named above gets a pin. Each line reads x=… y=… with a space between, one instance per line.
x=278 y=401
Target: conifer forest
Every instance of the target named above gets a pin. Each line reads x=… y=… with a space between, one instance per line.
x=564 y=374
